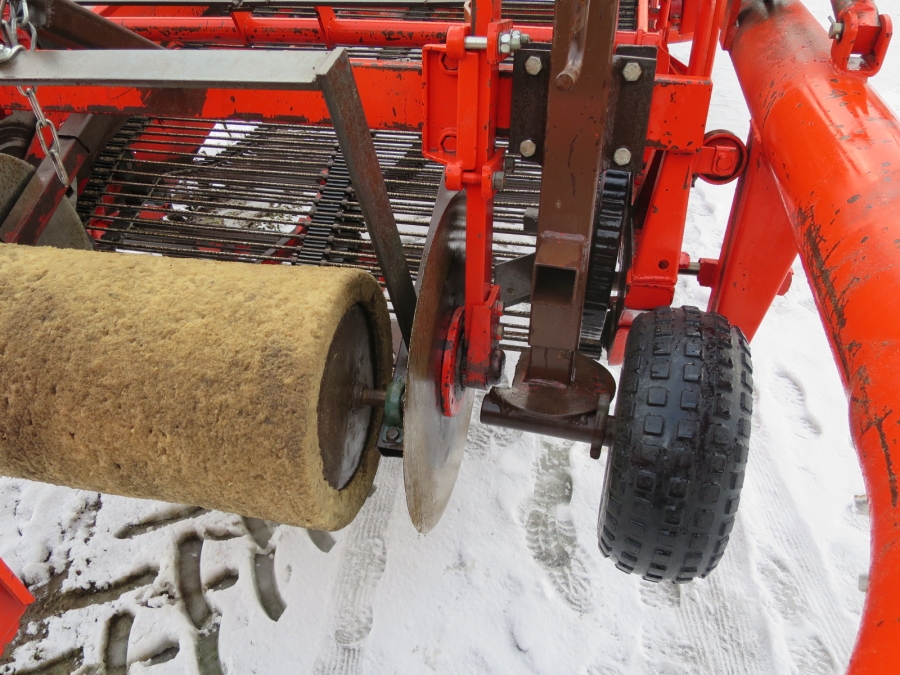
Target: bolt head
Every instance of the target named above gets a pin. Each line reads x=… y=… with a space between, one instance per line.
x=498 y=180
x=533 y=65
x=631 y=72
x=527 y=148
x=622 y=156
x=392 y=433
x=836 y=30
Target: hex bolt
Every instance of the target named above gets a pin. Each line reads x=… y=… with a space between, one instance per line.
x=632 y=71
x=836 y=29
x=498 y=180
x=622 y=156
x=518 y=39
x=527 y=148
x=392 y=434
x=534 y=65
x=512 y=41
x=862 y=503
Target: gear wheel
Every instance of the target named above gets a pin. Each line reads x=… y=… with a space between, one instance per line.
x=608 y=252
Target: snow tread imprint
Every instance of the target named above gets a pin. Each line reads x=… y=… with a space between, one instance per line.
x=676 y=469
x=190 y=593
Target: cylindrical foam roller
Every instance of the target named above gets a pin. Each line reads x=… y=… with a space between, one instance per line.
x=192 y=381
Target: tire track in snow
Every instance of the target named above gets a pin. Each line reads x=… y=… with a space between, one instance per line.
x=551 y=539
x=729 y=642
x=116 y=633
x=793 y=573
x=363 y=564
x=711 y=627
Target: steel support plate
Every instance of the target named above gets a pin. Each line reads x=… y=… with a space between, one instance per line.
x=287 y=70
x=433 y=444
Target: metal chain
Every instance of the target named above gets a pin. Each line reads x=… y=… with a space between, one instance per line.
x=20 y=18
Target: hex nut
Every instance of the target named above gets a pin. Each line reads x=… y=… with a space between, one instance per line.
x=622 y=156
x=631 y=72
x=534 y=65
x=498 y=180
x=518 y=39
x=392 y=434
x=527 y=148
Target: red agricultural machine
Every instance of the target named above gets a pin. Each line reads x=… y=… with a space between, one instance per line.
x=526 y=164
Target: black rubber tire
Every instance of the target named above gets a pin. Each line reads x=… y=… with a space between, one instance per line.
x=676 y=468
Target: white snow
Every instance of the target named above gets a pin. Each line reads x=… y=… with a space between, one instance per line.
x=511 y=580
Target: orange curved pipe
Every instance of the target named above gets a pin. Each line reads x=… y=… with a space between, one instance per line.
x=834 y=148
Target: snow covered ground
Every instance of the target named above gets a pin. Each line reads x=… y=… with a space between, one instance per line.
x=511 y=580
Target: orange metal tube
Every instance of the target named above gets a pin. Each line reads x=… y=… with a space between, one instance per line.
x=834 y=149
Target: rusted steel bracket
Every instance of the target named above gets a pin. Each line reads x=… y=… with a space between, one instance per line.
x=556 y=390
x=840 y=184
x=577 y=102
x=349 y=119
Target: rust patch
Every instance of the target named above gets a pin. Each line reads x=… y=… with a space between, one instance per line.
x=877 y=421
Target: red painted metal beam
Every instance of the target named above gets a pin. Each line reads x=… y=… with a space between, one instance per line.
x=758 y=250
x=834 y=149
x=243 y=28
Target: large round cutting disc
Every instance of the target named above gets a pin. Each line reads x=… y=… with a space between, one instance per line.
x=433 y=444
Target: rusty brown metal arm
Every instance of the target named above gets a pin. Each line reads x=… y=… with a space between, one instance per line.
x=81 y=138
x=576 y=116
x=349 y=119
x=71 y=26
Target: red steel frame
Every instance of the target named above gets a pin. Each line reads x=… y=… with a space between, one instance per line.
x=459 y=99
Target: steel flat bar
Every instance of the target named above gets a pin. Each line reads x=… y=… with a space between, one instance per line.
x=352 y=129
x=283 y=70
x=397 y=105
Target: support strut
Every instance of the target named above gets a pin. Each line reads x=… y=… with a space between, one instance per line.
x=840 y=182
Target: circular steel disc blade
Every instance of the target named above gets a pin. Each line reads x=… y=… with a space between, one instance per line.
x=433 y=444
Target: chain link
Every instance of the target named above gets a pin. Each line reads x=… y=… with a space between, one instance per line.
x=20 y=19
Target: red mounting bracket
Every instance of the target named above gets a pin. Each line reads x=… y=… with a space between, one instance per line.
x=860 y=30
